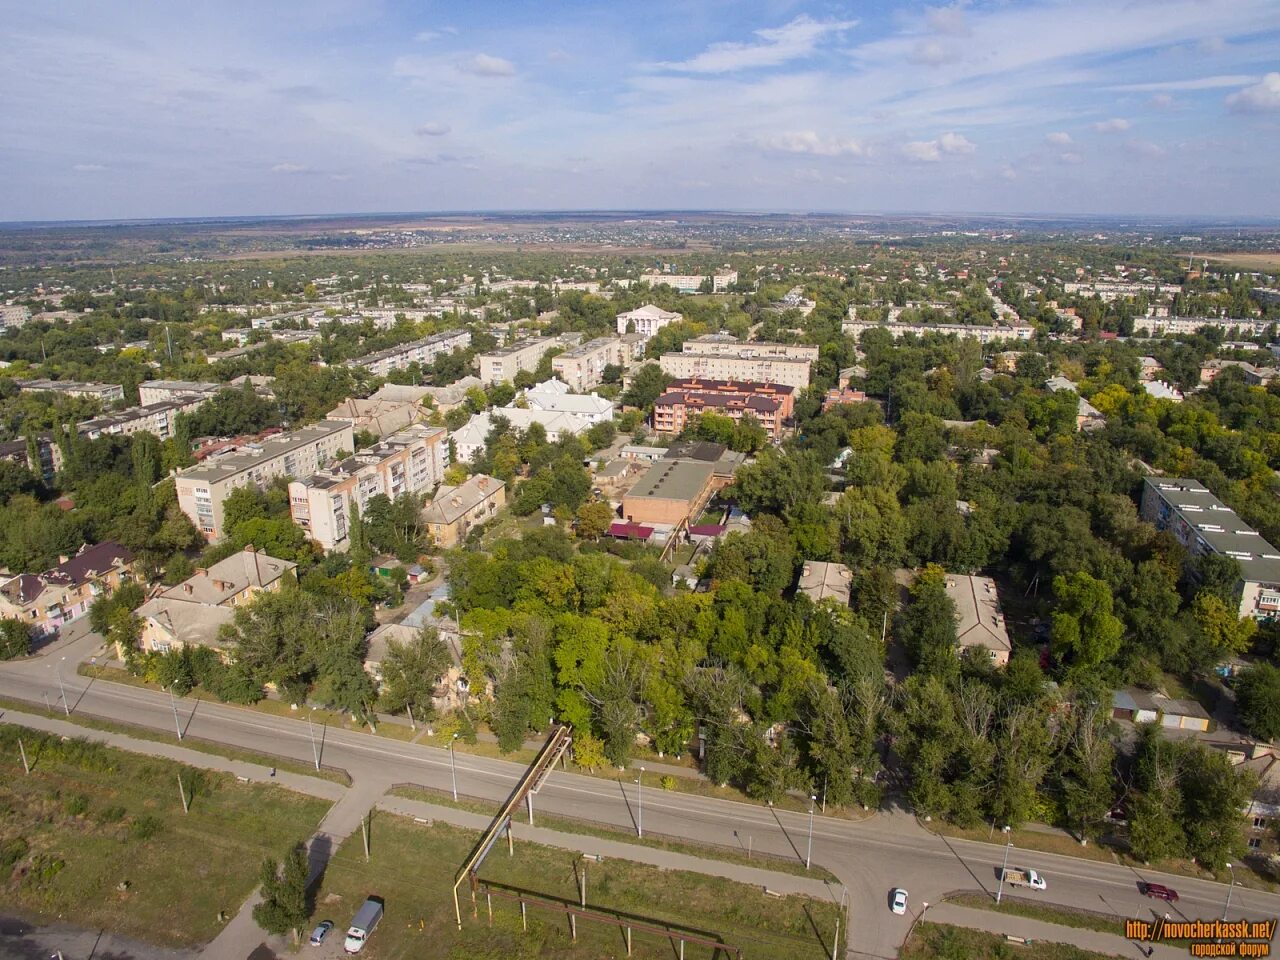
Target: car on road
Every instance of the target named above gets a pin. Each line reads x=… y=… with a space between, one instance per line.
x=1158 y=891
x=320 y=932
x=898 y=900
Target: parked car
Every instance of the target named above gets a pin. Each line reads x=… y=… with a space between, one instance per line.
x=1159 y=891
x=363 y=925
x=898 y=901
x=320 y=932
x=1022 y=877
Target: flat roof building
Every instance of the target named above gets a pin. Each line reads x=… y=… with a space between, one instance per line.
x=583 y=367
x=670 y=493
x=421 y=352
x=158 y=391
x=104 y=392
x=203 y=489
x=983 y=334
x=505 y=362
x=724 y=344
x=1204 y=524
x=738 y=365
x=410 y=461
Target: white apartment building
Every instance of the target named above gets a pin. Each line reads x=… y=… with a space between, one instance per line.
x=983 y=334
x=647 y=320
x=158 y=391
x=202 y=489
x=732 y=366
x=157 y=418
x=583 y=367
x=505 y=362
x=1155 y=326
x=724 y=343
x=418 y=351
x=411 y=461
x=104 y=392
x=470 y=439
x=13 y=316
x=1108 y=290
x=690 y=282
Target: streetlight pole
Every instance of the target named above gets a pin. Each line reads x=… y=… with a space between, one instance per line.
x=1227 y=906
x=640 y=804
x=65 y=705
x=1007 y=844
x=453 y=770
x=174 y=704
x=311 y=729
x=808 y=857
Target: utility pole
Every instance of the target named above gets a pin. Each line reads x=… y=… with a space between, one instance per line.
x=1007 y=844
x=640 y=804
x=453 y=773
x=835 y=941
x=65 y=705
x=364 y=829
x=311 y=729
x=808 y=857
x=177 y=726
x=183 y=794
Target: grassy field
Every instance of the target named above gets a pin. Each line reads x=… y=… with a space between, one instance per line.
x=97 y=837
x=936 y=941
x=413 y=865
x=1245 y=261
x=611 y=832
x=1048 y=913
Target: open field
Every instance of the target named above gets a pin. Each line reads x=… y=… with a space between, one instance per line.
x=1245 y=261
x=97 y=837
x=936 y=941
x=412 y=868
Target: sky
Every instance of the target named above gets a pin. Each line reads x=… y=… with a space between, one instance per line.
x=180 y=108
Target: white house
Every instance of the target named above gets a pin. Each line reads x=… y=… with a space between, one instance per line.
x=647 y=320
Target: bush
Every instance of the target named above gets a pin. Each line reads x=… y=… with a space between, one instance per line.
x=667 y=782
x=76 y=804
x=11 y=851
x=146 y=827
x=112 y=814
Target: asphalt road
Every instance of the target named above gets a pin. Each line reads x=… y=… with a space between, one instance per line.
x=869 y=857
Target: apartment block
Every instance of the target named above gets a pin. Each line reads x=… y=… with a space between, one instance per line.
x=158 y=391
x=455 y=511
x=45 y=602
x=583 y=367
x=713 y=344
x=983 y=334
x=1155 y=326
x=157 y=418
x=203 y=489
x=103 y=392
x=692 y=282
x=772 y=404
x=411 y=461
x=1204 y=524
x=646 y=320
x=738 y=366
x=505 y=362
x=13 y=316
x=418 y=351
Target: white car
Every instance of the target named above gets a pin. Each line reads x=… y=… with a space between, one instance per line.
x=898 y=901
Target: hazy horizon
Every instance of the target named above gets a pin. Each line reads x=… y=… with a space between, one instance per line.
x=148 y=110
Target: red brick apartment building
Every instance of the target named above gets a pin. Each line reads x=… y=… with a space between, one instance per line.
x=771 y=403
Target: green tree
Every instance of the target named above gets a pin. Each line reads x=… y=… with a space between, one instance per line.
x=1223 y=632
x=411 y=672
x=594 y=519
x=284 y=894
x=646 y=386
x=927 y=625
x=1258 y=700
x=1084 y=633
x=15 y=638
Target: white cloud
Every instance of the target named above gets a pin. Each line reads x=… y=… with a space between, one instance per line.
x=88 y=167
x=290 y=168
x=1071 y=159
x=1144 y=148
x=1007 y=172
x=1058 y=138
x=930 y=151
x=1114 y=125
x=809 y=142
x=949 y=20
x=1262 y=96
x=932 y=53
x=426 y=36
x=483 y=65
x=780 y=44
x=434 y=129
x=1197 y=83
x=1162 y=101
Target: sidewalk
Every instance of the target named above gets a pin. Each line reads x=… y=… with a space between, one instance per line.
x=1002 y=923
x=620 y=850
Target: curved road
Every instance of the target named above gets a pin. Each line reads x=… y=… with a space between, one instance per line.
x=869 y=857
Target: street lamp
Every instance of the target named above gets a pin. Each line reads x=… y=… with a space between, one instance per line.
x=174 y=704
x=65 y=705
x=1227 y=905
x=1008 y=842
x=453 y=770
x=640 y=804
x=808 y=857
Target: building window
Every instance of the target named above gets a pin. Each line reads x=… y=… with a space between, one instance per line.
x=1259 y=823
x=1255 y=843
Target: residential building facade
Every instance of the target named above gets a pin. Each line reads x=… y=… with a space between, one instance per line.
x=983 y=334
x=456 y=510
x=45 y=602
x=1204 y=524
x=157 y=418
x=410 y=461
x=422 y=352
x=646 y=320
x=790 y=371
x=583 y=367
x=103 y=392
x=203 y=489
x=771 y=404
x=505 y=362
x=13 y=316
x=670 y=493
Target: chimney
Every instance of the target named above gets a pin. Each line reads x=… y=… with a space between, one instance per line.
x=187 y=588
x=248 y=548
x=202 y=571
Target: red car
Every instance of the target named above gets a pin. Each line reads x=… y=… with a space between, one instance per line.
x=1159 y=891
